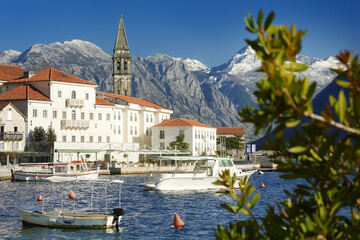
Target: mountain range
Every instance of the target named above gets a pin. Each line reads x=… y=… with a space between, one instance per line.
x=192 y=90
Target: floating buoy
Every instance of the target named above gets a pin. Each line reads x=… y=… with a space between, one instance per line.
x=262 y=185
x=39 y=198
x=71 y=194
x=260 y=172
x=177 y=222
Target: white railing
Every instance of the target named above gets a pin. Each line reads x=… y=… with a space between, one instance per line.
x=74 y=102
x=75 y=124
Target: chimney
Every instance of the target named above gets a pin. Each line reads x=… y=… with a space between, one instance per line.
x=28 y=74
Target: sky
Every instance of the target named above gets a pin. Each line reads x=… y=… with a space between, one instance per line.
x=210 y=31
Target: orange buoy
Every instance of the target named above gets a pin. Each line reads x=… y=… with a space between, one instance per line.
x=39 y=199
x=262 y=185
x=71 y=194
x=177 y=222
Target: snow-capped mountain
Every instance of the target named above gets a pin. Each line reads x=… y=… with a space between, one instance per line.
x=192 y=90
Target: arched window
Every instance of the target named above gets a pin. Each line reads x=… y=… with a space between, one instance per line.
x=73 y=115
x=118 y=66
x=73 y=95
x=125 y=65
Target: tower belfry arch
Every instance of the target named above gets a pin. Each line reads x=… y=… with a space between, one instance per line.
x=121 y=62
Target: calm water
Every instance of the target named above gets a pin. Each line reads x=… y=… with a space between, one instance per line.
x=148 y=215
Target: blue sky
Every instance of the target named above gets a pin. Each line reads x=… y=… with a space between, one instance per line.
x=210 y=31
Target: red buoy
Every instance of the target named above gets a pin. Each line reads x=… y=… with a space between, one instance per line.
x=71 y=194
x=177 y=222
x=262 y=185
x=39 y=198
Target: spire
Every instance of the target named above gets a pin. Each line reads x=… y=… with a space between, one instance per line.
x=121 y=40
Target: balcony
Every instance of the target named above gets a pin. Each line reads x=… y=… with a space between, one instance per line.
x=74 y=124
x=74 y=103
x=11 y=136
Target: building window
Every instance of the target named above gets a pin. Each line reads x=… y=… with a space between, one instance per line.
x=107 y=139
x=9 y=116
x=59 y=94
x=119 y=116
x=162 y=134
x=119 y=130
x=118 y=66
x=64 y=114
x=86 y=96
x=99 y=116
x=147 y=132
x=2 y=145
x=114 y=115
x=82 y=116
x=44 y=113
x=91 y=116
x=108 y=116
x=147 y=117
x=73 y=115
x=15 y=129
x=135 y=130
x=73 y=138
x=34 y=112
x=151 y=118
x=82 y=139
x=125 y=65
x=16 y=146
x=114 y=129
x=162 y=146
x=99 y=139
x=131 y=117
x=73 y=94
x=135 y=117
x=64 y=138
x=54 y=114
x=131 y=131
x=91 y=139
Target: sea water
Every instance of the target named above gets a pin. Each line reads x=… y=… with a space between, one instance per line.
x=148 y=215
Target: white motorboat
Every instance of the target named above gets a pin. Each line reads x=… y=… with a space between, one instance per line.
x=200 y=177
x=31 y=215
x=50 y=171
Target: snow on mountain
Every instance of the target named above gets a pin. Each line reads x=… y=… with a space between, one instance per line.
x=6 y=57
x=193 y=65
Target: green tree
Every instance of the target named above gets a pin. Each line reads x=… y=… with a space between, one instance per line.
x=179 y=143
x=323 y=150
x=50 y=135
x=38 y=134
x=236 y=143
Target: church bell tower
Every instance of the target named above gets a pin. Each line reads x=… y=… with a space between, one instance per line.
x=121 y=63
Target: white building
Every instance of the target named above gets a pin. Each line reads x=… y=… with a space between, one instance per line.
x=89 y=125
x=200 y=137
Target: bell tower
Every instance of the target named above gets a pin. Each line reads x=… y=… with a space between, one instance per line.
x=121 y=63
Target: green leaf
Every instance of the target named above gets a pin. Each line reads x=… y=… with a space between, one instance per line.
x=255 y=199
x=343 y=84
x=342 y=106
x=233 y=209
x=260 y=18
x=269 y=20
x=292 y=123
x=296 y=67
x=297 y=149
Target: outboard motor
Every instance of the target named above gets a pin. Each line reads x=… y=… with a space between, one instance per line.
x=117 y=212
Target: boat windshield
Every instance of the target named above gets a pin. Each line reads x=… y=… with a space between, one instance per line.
x=225 y=163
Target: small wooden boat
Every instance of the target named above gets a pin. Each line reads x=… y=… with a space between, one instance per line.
x=57 y=171
x=205 y=172
x=60 y=218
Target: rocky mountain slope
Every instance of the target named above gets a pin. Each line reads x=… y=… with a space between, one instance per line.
x=192 y=90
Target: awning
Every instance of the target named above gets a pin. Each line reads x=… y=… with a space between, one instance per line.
x=77 y=150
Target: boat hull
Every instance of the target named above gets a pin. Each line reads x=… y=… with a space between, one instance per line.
x=34 y=176
x=184 y=182
x=62 y=219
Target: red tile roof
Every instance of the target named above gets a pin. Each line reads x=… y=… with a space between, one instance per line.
x=100 y=101
x=24 y=92
x=52 y=74
x=3 y=104
x=134 y=100
x=9 y=72
x=230 y=130
x=177 y=122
